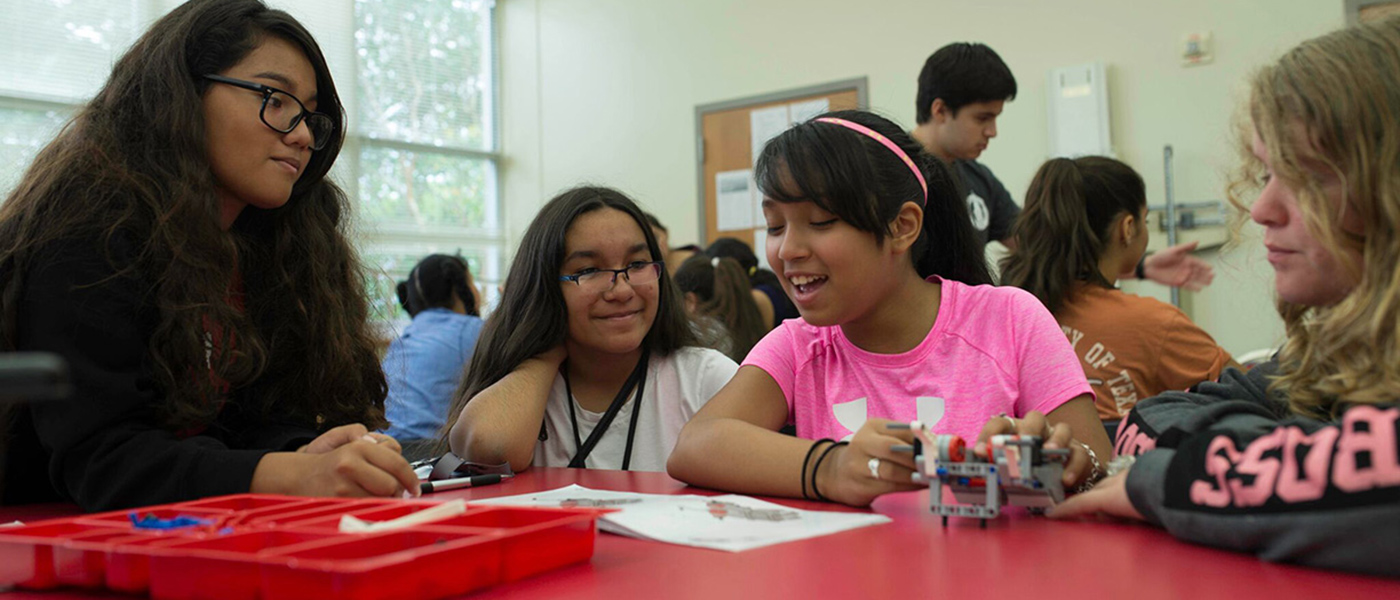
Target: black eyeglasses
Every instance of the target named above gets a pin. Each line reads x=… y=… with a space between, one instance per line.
x=282 y=112
x=601 y=280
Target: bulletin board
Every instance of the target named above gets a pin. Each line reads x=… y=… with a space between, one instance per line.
x=729 y=136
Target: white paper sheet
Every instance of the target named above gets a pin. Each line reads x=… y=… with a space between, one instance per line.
x=734 y=200
x=732 y=523
x=764 y=125
x=801 y=111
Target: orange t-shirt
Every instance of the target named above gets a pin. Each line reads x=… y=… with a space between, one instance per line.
x=1133 y=347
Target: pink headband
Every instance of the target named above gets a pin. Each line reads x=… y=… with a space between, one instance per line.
x=875 y=135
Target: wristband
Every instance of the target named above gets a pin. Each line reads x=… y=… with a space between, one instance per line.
x=816 y=492
x=807 y=461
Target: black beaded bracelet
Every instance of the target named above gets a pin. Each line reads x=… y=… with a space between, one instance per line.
x=808 y=460
x=815 y=491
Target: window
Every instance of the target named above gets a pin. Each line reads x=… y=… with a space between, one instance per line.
x=421 y=156
x=424 y=137
x=55 y=56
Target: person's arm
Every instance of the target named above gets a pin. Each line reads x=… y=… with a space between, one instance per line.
x=1175 y=267
x=502 y=422
x=1085 y=427
x=1322 y=495
x=733 y=444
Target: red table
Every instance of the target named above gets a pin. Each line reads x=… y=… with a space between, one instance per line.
x=912 y=557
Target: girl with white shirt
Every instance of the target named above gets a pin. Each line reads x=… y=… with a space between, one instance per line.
x=589 y=361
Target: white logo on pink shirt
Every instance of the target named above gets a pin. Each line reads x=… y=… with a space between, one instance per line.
x=852 y=415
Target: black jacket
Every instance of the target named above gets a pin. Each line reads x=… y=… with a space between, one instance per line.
x=1228 y=465
x=105 y=448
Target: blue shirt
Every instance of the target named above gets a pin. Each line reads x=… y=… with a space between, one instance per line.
x=423 y=367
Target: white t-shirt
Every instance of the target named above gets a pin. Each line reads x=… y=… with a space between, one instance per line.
x=676 y=387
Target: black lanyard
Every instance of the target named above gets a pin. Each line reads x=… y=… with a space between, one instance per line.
x=637 y=379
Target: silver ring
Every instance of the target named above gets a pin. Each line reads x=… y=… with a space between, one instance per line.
x=874 y=465
x=1011 y=420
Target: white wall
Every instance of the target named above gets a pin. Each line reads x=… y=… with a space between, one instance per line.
x=605 y=91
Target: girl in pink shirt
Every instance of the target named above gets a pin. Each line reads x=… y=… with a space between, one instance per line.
x=870 y=238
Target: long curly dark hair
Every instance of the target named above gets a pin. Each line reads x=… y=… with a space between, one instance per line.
x=131 y=169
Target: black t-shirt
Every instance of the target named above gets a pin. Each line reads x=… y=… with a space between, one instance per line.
x=989 y=205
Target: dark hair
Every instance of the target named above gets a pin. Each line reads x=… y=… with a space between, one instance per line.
x=722 y=286
x=863 y=183
x=1071 y=207
x=962 y=73
x=132 y=167
x=433 y=282
x=728 y=247
x=531 y=316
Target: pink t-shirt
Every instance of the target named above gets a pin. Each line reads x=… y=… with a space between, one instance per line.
x=992 y=350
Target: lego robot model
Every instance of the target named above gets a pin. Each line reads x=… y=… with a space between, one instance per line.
x=1021 y=473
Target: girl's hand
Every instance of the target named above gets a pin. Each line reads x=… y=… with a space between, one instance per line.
x=346 y=434
x=847 y=476
x=1109 y=497
x=1077 y=469
x=354 y=469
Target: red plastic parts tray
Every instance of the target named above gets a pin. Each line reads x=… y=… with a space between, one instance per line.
x=273 y=547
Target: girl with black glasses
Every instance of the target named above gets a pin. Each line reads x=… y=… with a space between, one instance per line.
x=180 y=246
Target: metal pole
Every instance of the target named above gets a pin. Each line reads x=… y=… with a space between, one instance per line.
x=1170 y=216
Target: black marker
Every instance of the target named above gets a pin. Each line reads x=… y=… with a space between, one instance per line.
x=428 y=487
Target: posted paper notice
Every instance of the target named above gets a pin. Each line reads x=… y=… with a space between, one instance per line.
x=801 y=111
x=765 y=124
x=734 y=200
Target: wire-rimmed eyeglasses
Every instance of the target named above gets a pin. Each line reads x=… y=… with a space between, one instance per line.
x=602 y=280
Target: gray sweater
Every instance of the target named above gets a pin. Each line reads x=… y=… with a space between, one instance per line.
x=1228 y=465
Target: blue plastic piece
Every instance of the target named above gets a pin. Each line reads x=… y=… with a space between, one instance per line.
x=151 y=521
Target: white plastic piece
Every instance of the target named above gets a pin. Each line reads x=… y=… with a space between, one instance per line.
x=451 y=508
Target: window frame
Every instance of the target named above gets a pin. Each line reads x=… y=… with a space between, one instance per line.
x=387 y=237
